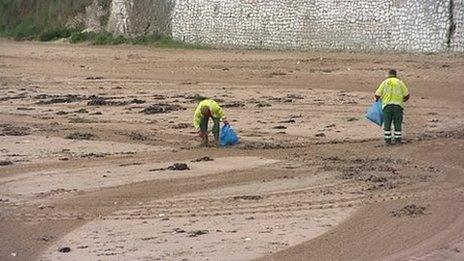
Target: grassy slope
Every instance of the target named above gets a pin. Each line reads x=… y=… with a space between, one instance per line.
x=28 y=19
x=45 y=20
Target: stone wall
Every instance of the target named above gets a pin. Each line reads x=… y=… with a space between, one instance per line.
x=420 y=25
x=457 y=27
x=361 y=25
x=140 y=17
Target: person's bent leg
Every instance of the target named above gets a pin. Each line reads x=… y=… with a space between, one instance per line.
x=388 y=118
x=398 y=122
x=216 y=128
x=204 y=131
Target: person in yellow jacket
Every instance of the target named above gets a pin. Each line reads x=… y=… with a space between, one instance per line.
x=205 y=110
x=394 y=93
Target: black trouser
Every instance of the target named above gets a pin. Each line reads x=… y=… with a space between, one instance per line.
x=393 y=113
x=204 y=125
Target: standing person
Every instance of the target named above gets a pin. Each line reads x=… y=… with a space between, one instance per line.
x=393 y=93
x=205 y=110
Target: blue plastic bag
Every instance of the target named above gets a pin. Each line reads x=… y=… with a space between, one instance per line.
x=228 y=137
x=375 y=113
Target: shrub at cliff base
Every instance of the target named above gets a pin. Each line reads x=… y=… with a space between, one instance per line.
x=33 y=19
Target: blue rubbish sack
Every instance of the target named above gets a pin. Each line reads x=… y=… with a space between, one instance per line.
x=228 y=137
x=375 y=113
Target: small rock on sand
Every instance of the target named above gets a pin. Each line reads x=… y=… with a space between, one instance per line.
x=178 y=167
x=64 y=249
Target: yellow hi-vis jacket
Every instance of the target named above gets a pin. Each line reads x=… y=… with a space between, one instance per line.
x=392 y=91
x=216 y=111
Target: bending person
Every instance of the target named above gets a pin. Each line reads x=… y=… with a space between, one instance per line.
x=205 y=110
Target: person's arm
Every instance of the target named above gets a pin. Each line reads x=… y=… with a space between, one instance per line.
x=406 y=94
x=379 y=92
x=197 y=118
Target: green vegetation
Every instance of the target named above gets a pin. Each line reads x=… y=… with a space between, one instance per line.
x=30 y=19
x=46 y=20
x=104 y=38
x=55 y=34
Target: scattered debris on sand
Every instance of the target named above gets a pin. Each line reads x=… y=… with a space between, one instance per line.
x=248 y=197
x=263 y=104
x=373 y=178
x=255 y=145
x=45 y=238
x=10 y=130
x=410 y=210
x=54 y=192
x=5 y=163
x=175 y=167
x=94 y=78
x=179 y=230
x=137 y=101
x=82 y=111
x=138 y=136
x=17 y=97
x=196 y=233
x=97 y=101
x=179 y=167
x=80 y=136
x=94 y=155
x=56 y=99
x=25 y=109
x=102 y=101
x=162 y=108
x=192 y=98
x=182 y=126
x=288 y=121
x=82 y=120
x=295 y=96
x=203 y=159
x=234 y=104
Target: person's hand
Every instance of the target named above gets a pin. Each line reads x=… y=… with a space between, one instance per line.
x=406 y=98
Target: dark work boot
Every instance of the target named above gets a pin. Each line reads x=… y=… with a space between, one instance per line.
x=387 y=137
